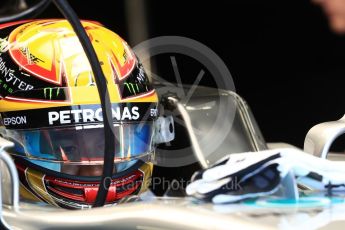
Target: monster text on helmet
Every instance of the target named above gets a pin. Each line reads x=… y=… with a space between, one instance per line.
x=8 y=75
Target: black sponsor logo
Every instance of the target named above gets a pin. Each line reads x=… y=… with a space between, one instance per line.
x=31 y=58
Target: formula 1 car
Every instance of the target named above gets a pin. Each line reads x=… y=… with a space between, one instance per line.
x=175 y=211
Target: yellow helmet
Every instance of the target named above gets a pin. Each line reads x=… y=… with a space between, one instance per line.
x=51 y=110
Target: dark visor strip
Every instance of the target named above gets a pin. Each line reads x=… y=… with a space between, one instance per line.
x=77 y=115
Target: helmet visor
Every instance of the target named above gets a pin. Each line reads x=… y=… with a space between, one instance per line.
x=83 y=144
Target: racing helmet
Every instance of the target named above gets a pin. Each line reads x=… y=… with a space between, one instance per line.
x=50 y=109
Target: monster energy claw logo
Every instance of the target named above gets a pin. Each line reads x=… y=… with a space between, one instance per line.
x=131 y=88
x=50 y=92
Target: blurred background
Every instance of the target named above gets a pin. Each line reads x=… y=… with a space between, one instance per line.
x=283 y=57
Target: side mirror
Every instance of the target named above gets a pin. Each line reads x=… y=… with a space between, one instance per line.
x=320 y=137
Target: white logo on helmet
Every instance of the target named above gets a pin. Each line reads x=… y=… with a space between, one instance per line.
x=19 y=120
x=90 y=115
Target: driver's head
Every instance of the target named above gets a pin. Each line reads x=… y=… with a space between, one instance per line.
x=50 y=109
x=335 y=11
x=73 y=146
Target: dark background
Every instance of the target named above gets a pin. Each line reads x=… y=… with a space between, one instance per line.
x=284 y=59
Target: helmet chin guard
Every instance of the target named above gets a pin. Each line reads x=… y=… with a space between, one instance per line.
x=79 y=192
